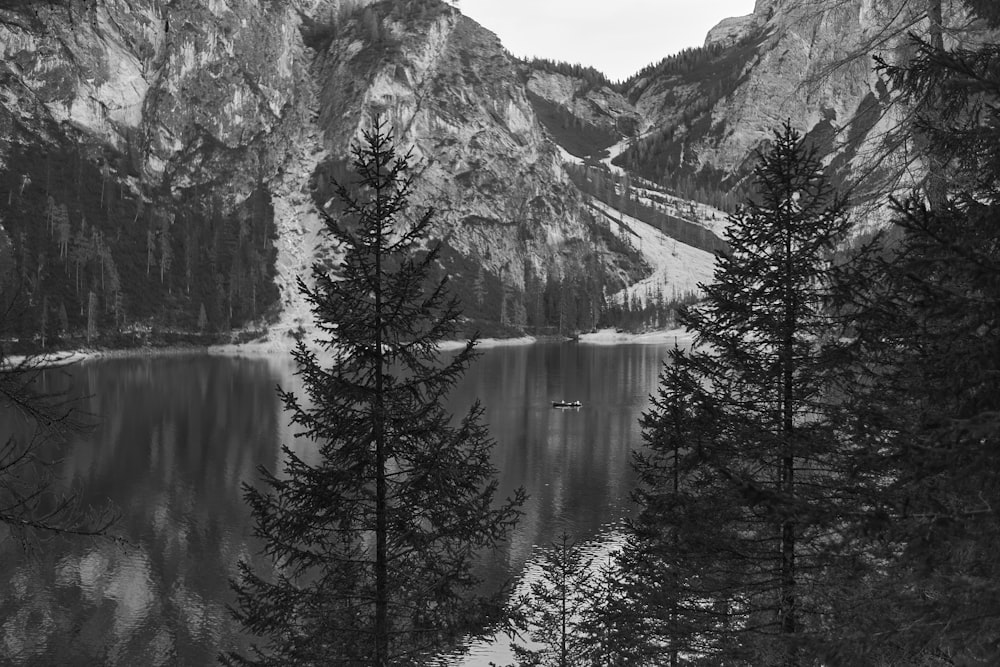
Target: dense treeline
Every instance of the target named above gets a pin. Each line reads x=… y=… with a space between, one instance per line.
x=654 y=312
x=615 y=191
x=83 y=255
x=593 y=78
x=494 y=301
x=690 y=62
x=555 y=305
x=702 y=65
x=660 y=157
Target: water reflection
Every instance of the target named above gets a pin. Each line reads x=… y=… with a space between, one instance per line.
x=178 y=436
x=175 y=439
x=574 y=464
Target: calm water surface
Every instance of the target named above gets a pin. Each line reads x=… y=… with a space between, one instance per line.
x=179 y=434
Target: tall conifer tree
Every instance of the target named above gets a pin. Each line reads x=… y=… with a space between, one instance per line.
x=373 y=546
x=928 y=355
x=740 y=483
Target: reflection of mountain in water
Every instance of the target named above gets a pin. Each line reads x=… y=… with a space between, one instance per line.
x=179 y=434
x=176 y=437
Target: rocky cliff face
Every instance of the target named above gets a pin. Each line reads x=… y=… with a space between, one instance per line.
x=151 y=136
x=704 y=112
x=183 y=145
x=506 y=208
x=812 y=64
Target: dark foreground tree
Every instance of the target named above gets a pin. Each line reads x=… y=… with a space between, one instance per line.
x=373 y=547
x=552 y=607
x=740 y=490
x=928 y=386
x=575 y=612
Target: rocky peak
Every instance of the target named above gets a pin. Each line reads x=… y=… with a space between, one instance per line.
x=803 y=60
x=731 y=30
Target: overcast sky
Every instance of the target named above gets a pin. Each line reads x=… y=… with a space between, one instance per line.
x=617 y=37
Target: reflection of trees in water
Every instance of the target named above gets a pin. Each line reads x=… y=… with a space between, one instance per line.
x=178 y=435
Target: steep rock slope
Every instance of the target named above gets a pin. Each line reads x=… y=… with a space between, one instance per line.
x=511 y=220
x=148 y=135
x=803 y=60
x=702 y=113
x=161 y=160
x=585 y=115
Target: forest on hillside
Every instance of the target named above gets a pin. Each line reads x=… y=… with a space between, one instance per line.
x=665 y=155
x=84 y=257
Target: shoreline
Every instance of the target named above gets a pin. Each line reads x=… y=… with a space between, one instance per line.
x=269 y=347
x=659 y=337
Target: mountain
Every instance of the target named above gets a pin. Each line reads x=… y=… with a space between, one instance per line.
x=699 y=115
x=161 y=161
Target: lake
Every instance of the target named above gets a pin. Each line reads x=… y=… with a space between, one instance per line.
x=177 y=436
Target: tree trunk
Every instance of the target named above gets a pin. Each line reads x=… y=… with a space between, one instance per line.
x=381 y=519
x=562 y=616
x=936 y=186
x=676 y=578
x=787 y=605
x=935 y=16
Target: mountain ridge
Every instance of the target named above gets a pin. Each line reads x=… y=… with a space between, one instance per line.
x=194 y=113
x=162 y=162
x=705 y=111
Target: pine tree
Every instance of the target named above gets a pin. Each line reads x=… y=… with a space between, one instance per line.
x=742 y=431
x=373 y=546
x=43 y=327
x=927 y=395
x=79 y=252
x=150 y=248
x=479 y=286
x=606 y=619
x=202 y=319
x=166 y=252
x=575 y=611
x=91 y=317
x=553 y=608
x=63 y=319
x=60 y=222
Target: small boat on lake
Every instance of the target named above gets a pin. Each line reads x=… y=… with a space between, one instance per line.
x=566 y=404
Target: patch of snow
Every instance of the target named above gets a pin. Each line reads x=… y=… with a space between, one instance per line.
x=681 y=337
x=704 y=215
x=485 y=343
x=613 y=152
x=566 y=156
x=678 y=268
